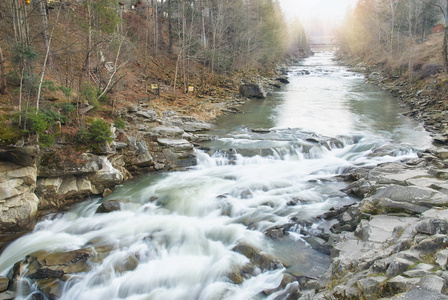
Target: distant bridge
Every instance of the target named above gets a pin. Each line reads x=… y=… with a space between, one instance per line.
x=322 y=43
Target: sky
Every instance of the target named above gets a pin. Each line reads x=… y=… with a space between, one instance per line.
x=317 y=16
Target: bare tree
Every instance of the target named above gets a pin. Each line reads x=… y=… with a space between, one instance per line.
x=2 y=73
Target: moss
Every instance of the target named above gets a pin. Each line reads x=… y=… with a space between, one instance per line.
x=9 y=135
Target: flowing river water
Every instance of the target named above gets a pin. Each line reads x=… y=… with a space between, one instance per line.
x=276 y=162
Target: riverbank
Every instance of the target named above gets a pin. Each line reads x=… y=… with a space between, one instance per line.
x=393 y=243
x=158 y=135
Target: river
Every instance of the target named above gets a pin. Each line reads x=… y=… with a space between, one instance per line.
x=277 y=162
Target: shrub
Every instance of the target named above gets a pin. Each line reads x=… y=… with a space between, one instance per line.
x=67 y=108
x=120 y=123
x=43 y=120
x=46 y=140
x=430 y=69
x=90 y=93
x=98 y=133
x=38 y=122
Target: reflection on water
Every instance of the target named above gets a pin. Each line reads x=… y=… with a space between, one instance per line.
x=328 y=99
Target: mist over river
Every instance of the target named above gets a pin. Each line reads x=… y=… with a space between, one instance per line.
x=201 y=233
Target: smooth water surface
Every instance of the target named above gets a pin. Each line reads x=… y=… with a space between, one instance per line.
x=184 y=226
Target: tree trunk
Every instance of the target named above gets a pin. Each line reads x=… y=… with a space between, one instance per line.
x=445 y=40
x=162 y=44
x=2 y=73
x=40 y=7
x=170 y=28
x=46 y=61
x=445 y=49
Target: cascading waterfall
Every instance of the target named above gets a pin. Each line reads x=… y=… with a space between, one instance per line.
x=187 y=235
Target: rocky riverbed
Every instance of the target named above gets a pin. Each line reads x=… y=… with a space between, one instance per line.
x=392 y=243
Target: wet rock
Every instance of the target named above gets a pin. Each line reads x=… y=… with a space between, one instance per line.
x=109 y=206
x=43 y=265
x=107 y=192
x=128 y=264
x=8 y=295
x=4 y=282
x=276 y=232
x=51 y=288
x=318 y=244
x=257 y=257
x=235 y=277
x=282 y=80
x=252 y=90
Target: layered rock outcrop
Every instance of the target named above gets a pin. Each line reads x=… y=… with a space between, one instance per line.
x=18 y=173
x=33 y=180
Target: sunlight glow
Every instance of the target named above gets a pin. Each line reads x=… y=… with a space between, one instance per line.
x=319 y=17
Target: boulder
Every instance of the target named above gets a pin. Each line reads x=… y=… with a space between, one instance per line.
x=44 y=265
x=398 y=266
x=432 y=244
x=21 y=156
x=49 y=166
x=425 y=197
x=432 y=226
x=128 y=264
x=57 y=192
x=370 y=285
x=282 y=80
x=258 y=258
x=252 y=90
x=148 y=115
x=4 y=283
x=399 y=284
x=109 y=206
x=442 y=259
x=432 y=283
x=420 y=270
x=18 y=203
x=417 y=293
x=167 y=132
x=196 y=126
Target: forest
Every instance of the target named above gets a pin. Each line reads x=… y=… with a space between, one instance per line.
x=66 y=62
x=398 y=36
